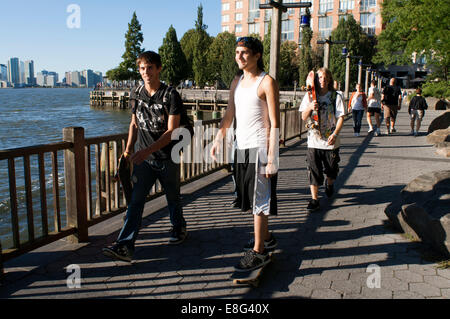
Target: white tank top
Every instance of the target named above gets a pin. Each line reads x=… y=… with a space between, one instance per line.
x=252 y=116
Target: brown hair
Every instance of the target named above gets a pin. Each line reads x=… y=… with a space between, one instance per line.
x=418 y=91
x=150 y=57
x=328 y=76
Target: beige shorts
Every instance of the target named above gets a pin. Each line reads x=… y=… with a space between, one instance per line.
x=390 y=111
x=416 y=114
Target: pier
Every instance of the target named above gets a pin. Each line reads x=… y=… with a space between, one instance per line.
x=329 y=254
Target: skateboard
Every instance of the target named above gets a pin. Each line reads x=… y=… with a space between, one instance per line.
x=250 y=277
x=311 y=84
x=123 y=175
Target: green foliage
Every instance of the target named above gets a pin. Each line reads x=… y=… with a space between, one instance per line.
x=133 y=40
x=288 y=64
x=172 y=57
x=358 y=44
x=439 y=89
x=187 y=43
x=266 y=46
x=416 y=26
x=305 y=56
x=221 y=64
x=201 y=46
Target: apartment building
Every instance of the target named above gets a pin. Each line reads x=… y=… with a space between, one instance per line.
x=243 y=17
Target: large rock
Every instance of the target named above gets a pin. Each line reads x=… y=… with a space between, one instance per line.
x=423 y=210
x=440 y=122
x=441 y=140
x=437 y=104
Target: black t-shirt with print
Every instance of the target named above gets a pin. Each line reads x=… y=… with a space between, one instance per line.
x=152 y=117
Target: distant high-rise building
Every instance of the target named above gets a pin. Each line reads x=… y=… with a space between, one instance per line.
x=29 y=72
x=13 y=71
x=3 y=72
x=41 y=79
x=243 y=17
x=68 y=78
x=51 y=80
x=76 y=78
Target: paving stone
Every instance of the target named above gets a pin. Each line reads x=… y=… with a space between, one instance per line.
x=325 y=294
x=425 y=289
x=437 y=281
x=408 y=276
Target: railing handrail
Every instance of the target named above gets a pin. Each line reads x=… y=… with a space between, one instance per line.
x=34 y=149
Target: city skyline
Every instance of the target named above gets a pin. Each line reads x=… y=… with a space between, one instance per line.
x=56 y=40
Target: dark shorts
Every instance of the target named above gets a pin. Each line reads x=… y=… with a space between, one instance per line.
x=320 y=162
x=246 y=177
x=373 y=110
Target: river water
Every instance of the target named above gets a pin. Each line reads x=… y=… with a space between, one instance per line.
x=37 y=116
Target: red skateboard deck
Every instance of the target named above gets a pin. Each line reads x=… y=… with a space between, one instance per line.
x=311 y=87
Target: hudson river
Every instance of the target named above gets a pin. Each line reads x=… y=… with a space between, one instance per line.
x=37 y=116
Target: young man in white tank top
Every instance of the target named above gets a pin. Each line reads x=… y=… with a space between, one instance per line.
x=254 y=102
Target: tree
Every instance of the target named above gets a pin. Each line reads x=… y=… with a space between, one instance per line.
x=417 y=26
x=133 y=40
x=221 y=64
x=201 y=45
x=172 y=58
x=266 y=46
x=187 y=43
x=305 y=56
x=288 y=63
x=358 y=44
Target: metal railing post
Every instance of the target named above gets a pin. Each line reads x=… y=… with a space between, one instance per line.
x=75 y=181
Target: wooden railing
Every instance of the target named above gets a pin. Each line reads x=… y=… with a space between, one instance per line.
x=80 y=173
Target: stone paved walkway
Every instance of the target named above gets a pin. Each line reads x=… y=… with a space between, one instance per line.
x=328 y=254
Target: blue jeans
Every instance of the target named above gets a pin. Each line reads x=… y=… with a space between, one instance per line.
x=143 y=178
x=357 y=120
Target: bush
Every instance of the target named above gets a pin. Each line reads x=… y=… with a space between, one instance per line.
x=439 y=89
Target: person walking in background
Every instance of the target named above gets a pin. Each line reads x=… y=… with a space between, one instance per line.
x=157 y=110
x=322 y=155
x=416 y=110
x=391 y=102
x=374 y=108
x=357 y=104
x=254 y=103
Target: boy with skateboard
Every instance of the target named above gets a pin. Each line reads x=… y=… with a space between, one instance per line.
x=323 y=139
x=157 y=111
x=254 y=103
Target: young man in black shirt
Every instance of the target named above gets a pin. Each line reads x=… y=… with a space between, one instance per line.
x=156 y=113
x=416 y=110
x=391 y=102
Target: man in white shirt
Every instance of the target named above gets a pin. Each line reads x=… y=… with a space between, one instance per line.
x=323 y=143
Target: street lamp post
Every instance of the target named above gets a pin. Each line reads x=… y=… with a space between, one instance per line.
x=347 y=56
x=277 y=7
x=326 y=49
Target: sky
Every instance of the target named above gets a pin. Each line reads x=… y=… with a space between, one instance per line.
x=50 y=33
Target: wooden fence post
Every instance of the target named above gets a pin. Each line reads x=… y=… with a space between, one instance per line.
x=75 y=181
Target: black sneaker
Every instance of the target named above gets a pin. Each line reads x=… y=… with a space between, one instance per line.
x=118 y=252
x=252 y=260
x=313 y=205
x=329 y=189
x=177 y=236
x=268 y=244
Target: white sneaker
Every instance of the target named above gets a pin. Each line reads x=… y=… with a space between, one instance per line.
x=370 y=130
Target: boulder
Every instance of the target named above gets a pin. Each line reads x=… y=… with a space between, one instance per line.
x=437 y=104
x=440 y=122
x=423 y=210
x=441 y=140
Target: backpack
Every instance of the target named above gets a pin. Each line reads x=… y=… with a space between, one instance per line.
x=185 y=121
